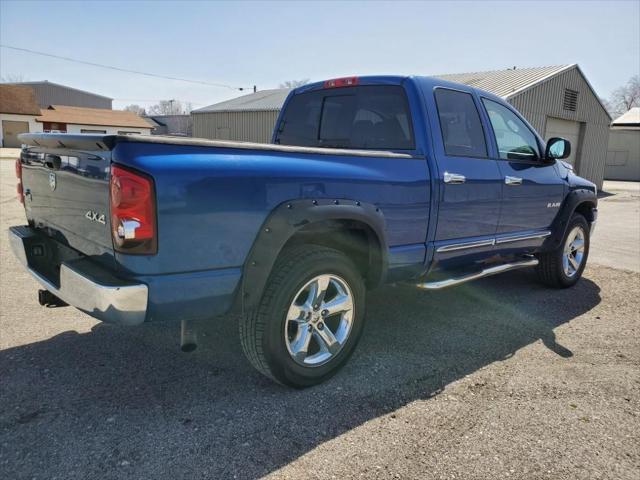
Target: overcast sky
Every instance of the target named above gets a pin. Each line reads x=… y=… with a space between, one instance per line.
x=266 y=43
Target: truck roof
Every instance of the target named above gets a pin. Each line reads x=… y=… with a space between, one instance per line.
x=421 y=81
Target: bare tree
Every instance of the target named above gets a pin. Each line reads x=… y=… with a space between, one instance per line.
x=169 y=107
x=294 y=83
x=137 y=109
x=625 y=98
x=13 y=78
x=607 y=105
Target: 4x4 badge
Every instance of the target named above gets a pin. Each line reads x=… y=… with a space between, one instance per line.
x=95 y=217
x=52 y=181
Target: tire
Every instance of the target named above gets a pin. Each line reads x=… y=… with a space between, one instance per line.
x=274 y=335
x=555 y=268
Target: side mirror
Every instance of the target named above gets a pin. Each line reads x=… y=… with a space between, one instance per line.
x=557 y=149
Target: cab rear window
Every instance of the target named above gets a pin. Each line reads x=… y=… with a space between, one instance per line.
x=362 y=117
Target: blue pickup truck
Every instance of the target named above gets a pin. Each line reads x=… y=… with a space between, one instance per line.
x=367 y=181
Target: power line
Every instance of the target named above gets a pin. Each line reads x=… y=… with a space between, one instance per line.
x=111 y=67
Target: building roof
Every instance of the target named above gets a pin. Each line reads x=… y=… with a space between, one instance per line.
x=631 y=118
x=506 y=83
x=92 y=116
x=18 y=100
x=511 y=82
x=171 y=115
x=153 y=121
x=47 y=82
x=265 y=100
x=162 y=120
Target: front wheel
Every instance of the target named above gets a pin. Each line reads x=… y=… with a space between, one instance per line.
x=563 y=267
x=309 y=319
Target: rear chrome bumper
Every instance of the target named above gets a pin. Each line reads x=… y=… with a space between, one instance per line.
x=107 y=298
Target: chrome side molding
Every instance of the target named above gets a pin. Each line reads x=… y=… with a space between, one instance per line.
x=450 y=282
x=518 y=238
x=461 y=246
x=492 y=241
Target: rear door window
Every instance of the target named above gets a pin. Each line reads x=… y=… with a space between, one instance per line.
x=363 y=117
x=462 y=133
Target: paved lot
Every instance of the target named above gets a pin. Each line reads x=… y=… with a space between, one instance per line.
x=496 y=379
x=616 y=241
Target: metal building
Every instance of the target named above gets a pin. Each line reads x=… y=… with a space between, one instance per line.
x=178 y=125
x=558 y=101
x=49 y=93
x=623 y=155
x=249 y=118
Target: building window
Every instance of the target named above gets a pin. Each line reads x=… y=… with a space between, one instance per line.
x=53 y=127
x=570 y=100
x=127 y=132
x=87 y=130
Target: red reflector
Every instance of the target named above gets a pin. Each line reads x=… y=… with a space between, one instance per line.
x=18 y=169
x=19 y=189
x=340 y=82
x=133 y=219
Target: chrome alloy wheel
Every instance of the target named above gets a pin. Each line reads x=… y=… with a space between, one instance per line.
x=319 y=320
x=573 y=253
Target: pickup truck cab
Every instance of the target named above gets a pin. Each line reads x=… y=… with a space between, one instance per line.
x=367 y=181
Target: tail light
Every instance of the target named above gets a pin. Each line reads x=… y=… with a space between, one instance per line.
x=133 y=216
x=19 y=189
x=340 y=82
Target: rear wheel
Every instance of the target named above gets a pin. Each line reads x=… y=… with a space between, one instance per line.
x=563 y=267
x=309 y=319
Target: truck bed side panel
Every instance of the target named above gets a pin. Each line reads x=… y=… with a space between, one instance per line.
x=211 y=202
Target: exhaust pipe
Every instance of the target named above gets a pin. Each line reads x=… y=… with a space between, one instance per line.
x=48 y=299
x=188 y=336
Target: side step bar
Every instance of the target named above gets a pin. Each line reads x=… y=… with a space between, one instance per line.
x=505 y=267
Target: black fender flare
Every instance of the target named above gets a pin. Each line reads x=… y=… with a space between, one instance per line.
x=573 y=200
x=284 y=222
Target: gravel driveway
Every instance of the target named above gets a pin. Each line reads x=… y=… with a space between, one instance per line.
x=501 y=378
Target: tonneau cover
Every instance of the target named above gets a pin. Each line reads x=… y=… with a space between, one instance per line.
x=108 y=142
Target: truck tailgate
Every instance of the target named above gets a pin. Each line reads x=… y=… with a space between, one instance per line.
x=66 y=193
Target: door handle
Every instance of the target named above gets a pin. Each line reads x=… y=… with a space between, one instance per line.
x=454 y=178
x=512 y=180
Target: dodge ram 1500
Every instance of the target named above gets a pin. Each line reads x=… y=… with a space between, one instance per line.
x=367 y=181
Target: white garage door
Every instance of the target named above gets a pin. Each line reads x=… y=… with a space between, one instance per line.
x=567 y=129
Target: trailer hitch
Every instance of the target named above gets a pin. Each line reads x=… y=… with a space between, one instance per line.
x=48 y=299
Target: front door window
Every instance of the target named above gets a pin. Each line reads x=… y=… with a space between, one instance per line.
x=514 y=139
